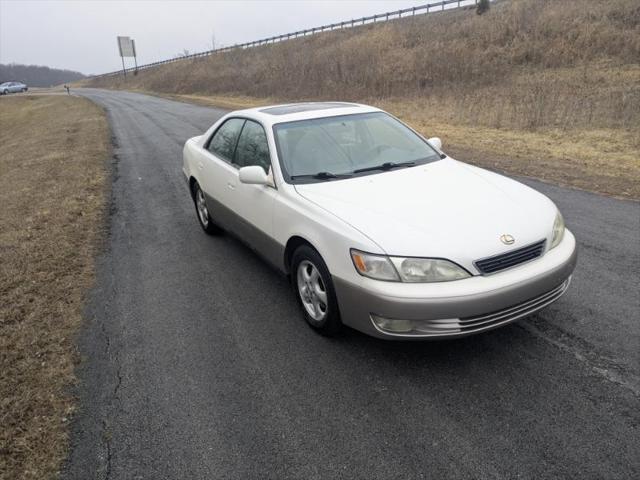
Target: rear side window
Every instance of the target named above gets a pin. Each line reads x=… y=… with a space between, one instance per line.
x=253 y=148
x=223 y=143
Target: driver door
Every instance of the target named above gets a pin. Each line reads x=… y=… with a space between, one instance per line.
x=219 y=175
x=254 y=203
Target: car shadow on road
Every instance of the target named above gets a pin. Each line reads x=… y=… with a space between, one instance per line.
x=500 y=343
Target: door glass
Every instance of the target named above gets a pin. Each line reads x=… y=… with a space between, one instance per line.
x=253 y=148
x=223 y=143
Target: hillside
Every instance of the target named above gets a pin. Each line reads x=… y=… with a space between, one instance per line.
x=36 y=75
x=543 y=82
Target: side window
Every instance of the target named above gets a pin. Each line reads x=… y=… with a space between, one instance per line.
x=223 y=142
x=253 y=148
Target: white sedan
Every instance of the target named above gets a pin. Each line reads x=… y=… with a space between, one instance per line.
x=377 y=227
x=12 y=87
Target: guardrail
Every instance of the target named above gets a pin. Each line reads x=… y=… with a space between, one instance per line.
x=382 y=17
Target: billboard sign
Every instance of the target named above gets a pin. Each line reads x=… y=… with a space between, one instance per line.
x=127 y=47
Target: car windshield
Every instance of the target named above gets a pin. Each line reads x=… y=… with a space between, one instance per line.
x=329 y=148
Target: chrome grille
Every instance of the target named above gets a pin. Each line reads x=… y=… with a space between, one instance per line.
x=510 y=259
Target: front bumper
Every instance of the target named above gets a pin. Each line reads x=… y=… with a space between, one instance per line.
x=459 y=308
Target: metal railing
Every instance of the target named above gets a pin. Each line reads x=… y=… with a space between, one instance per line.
x=380 y=17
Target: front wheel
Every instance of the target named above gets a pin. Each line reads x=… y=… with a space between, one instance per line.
x=5 y=92
x=314 y=290
x=202 y=211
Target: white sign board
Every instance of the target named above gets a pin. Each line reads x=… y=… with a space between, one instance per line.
x=127 y=47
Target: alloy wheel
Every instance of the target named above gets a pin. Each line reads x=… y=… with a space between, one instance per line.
x=201 y=205
x=312 y=291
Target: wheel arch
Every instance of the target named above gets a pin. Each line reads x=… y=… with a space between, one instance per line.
x=192 y=183
x=292 y=245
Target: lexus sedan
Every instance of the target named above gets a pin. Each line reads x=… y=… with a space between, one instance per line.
x=12 y=87
x=376 y=226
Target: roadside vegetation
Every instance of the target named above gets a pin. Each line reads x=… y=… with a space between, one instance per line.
x=53 y=152
x=535 y=87
x=36 y=75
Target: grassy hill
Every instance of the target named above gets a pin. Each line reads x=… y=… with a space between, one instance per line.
x=537 y=87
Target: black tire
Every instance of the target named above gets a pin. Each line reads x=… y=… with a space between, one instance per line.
x=204 y=218
x=330 y=324
x=5 y=92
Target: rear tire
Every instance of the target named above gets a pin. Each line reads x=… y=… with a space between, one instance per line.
x=313 y=288
x=202 y=212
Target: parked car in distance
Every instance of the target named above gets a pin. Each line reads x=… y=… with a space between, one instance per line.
x=12 y=87
x=376 y=226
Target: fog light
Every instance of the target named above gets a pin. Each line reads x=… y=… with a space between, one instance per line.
x=392 y=325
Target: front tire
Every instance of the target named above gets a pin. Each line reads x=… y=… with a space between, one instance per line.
x=202 y=212
x=313 y=287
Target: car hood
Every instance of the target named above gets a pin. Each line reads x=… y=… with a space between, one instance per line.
x=445 y=209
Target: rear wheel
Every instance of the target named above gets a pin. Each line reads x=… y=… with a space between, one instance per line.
x=207 y=224
x=314 y=290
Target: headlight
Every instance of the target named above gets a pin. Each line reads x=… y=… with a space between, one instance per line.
x=422 y=270
x=374 y=266
x=558 y=231
x=410 y=270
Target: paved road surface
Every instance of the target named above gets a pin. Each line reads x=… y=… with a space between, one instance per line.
x=198 y=364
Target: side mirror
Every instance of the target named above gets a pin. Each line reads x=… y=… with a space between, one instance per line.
x=253 y=175
x=436 y=142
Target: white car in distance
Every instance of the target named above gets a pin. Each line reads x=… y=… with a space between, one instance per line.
x=376 y=226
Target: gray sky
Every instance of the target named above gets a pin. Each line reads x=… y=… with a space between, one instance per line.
x=81 y=35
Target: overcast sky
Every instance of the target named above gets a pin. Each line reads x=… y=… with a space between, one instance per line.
x=81 y=35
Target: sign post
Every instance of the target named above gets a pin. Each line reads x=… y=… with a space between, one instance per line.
x=127 y=48
x=135 y=59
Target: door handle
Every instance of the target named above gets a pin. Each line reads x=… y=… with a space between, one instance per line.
x=200 y=165
x=231 y=186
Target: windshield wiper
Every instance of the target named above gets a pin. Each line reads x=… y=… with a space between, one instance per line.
x=322 y=175
x=385 y=166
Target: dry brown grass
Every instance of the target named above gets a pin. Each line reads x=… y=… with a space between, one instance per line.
x=544 y=88
x=605 y=160
x=52 y=191
x=525 y=64
x=600 y=160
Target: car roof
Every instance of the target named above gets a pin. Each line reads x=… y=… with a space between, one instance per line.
x=290 y=112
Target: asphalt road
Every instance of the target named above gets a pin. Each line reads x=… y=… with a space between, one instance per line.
x=197 y=363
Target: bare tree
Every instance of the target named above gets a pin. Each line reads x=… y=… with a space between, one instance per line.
x=483 y=6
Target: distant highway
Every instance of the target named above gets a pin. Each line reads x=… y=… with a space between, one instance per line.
x=197 y=363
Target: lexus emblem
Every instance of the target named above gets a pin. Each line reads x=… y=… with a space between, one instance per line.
x=507 y=239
